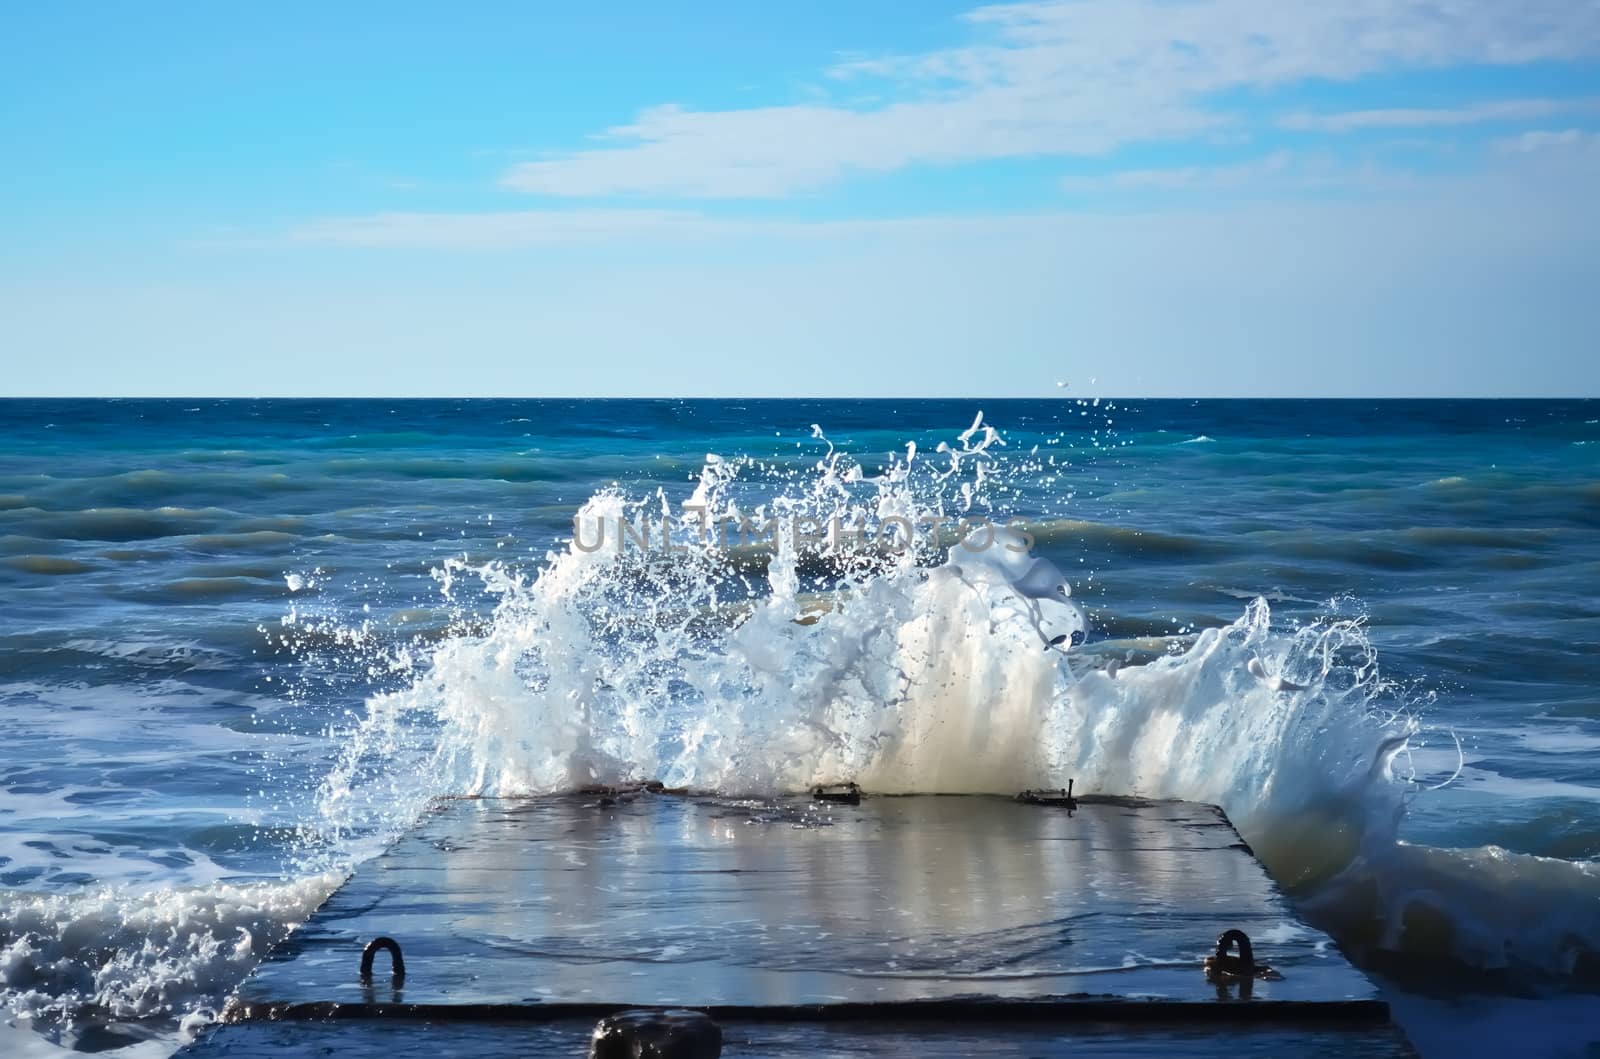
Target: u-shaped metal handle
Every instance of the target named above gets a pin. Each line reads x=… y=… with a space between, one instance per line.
x=1246 y=958
x=397 y=961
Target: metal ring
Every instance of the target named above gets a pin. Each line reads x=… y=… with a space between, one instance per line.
x=397 y=962
x=1225 y=966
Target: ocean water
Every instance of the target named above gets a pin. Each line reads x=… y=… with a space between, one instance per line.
x=242 y=643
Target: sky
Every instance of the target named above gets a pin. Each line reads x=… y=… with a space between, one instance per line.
x=836 y=198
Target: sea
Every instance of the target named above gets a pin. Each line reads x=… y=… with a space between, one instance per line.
x=244 y=642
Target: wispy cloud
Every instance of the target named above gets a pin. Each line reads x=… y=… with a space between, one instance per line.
x=1544 y=140
x=1060 y=78
x=492 y=230
x=1509 y=110
x=1275 y=172
x=563 y=227
x=1518 y=174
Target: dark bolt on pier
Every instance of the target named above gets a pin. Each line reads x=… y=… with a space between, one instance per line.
x=843 y=793
x=1057 y=797
x=655 y=1034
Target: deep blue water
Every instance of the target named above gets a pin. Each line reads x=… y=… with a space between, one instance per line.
x=193 y=594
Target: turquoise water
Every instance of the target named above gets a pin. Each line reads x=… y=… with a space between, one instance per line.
x=241 y=641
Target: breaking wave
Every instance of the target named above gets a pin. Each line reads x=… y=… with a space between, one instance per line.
x=887 y=625
x=939 y=669
x=70 y=960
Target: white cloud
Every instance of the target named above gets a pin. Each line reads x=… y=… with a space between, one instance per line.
x=489 y=231
x=512 y=229
x=1477 y=284
x=1444 y=117
x=1278 y=171
x=1060 y=78
x=1527 y=170
x=1542 y=140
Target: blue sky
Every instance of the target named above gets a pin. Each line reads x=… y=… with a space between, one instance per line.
x=1134 y=197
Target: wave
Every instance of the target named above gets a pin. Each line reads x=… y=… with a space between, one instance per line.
x=925 y=673
x=175 y=952
x=1487 y=910
x=200 y=589
x=151 y=487
x=209 y=528
x=1123 y=541
x=454 y=469
x=260 y=541
x=918 y=684
x=117 y=524
x=938 y=666
x=49 y=565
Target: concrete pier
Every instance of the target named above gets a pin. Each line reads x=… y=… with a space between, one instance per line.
x=900 y=925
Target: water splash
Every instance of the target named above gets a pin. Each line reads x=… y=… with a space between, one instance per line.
x=928 y=666
x=841 y=622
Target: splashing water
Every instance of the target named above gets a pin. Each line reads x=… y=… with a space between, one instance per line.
x=773 y=630
x=921 y=670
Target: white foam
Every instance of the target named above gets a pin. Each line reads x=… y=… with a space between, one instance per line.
x=170 y=952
